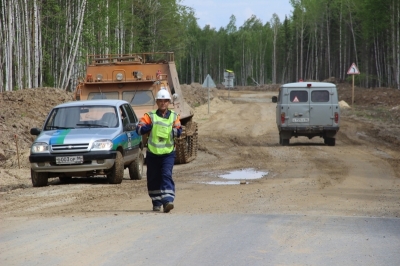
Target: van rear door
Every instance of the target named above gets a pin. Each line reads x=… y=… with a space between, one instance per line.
x=321 y=109
x=298 y=112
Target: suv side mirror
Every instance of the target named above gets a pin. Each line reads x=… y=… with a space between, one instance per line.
x=274 y=99
x=130 y=127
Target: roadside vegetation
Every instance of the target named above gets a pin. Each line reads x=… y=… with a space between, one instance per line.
x=46 y=42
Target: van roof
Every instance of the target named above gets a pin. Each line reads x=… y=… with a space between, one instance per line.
x=304 y=84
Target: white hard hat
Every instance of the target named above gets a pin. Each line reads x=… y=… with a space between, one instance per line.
x=163 y=94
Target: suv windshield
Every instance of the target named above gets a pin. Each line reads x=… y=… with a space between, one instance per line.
x=82 y=117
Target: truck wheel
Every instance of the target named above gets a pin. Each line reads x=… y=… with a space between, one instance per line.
x=187 y=144
x=117 y=171
x=136 y=167
x=39 y=179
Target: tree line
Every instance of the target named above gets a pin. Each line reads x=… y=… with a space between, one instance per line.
x=45 y=42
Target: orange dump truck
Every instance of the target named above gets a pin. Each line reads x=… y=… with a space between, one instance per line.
x=136 y=78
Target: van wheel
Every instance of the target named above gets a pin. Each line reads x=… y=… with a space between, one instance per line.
x=39 y=179
x=65 y=179
x=117 y=171
x=136 y=167
x=330 y=141
x=285 y=142
x=282 y=141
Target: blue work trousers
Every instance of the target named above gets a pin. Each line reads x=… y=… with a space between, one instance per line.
x=160 y=186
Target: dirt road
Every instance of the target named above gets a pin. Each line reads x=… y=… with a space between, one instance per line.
x=360 y=176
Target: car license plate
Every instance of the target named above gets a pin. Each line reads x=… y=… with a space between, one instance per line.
x=69 y=160
x=300 y=120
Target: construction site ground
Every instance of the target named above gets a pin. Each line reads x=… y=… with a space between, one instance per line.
x=237 y=131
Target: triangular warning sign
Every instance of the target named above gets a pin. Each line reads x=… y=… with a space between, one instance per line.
x=353 y=70
x=208 y=82
x=295 y=100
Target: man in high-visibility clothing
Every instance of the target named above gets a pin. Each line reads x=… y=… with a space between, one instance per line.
x=163 y=125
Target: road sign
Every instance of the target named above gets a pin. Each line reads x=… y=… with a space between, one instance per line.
x=353 y=70
x=229 y=74
x=208 y=82
x=228 y=83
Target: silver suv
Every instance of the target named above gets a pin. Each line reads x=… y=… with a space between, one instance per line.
x=86 y=139
x=307 y=109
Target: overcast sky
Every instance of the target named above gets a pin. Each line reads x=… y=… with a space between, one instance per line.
x=216 y=13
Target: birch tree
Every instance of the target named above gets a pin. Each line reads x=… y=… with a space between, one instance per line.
x=36 y=48
x=275 y=23
x=27 y=50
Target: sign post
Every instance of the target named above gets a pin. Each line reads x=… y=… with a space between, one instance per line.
x=208 y=83
x=353 y=70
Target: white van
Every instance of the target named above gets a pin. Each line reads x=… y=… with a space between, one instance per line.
x=307 y=109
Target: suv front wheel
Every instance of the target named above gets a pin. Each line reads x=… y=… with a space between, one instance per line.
x=39 y=179
x=136 y=167
x=117 y=171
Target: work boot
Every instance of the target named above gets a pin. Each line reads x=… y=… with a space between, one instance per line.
x=156 y=208
x=169 y=206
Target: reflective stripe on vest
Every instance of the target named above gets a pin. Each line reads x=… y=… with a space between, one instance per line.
x=161 y=139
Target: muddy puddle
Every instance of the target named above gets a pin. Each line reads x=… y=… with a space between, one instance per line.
x=238 y=177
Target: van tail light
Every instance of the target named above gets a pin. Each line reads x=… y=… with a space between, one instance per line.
x=336 y=117
x=283 y=118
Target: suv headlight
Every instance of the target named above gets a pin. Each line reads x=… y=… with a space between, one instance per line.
x=102 y=144
x=39 y=147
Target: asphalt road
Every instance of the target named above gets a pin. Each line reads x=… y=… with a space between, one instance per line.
x=228 y=239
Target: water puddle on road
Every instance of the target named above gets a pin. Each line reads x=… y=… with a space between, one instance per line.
x=225 y=183
x=238 y=177
x=244 y=174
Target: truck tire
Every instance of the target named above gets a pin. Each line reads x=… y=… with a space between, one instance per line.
x=187 y=144
x=39 y=179
x=136 y=167
x=117 y=171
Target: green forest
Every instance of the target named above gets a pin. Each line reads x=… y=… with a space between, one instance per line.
x=45 y=42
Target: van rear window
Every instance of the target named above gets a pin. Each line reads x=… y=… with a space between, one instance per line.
x=320 y=96
x=299 y=96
